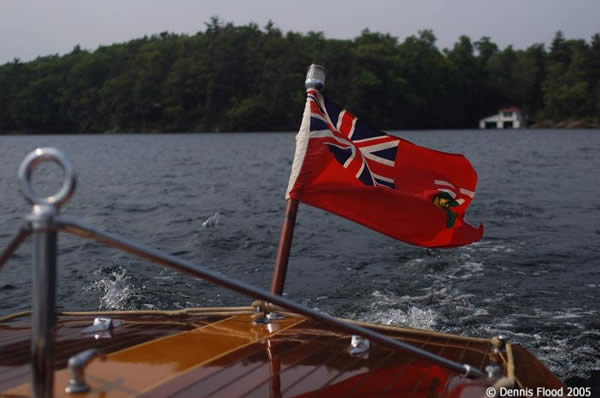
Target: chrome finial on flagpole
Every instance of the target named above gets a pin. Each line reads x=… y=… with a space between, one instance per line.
x=315 y=77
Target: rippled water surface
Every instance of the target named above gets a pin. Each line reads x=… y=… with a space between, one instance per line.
x=217 y=200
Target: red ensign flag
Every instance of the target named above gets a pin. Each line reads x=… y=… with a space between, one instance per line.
x=400 y=189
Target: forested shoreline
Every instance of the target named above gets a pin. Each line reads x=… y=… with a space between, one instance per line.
x=248 y=78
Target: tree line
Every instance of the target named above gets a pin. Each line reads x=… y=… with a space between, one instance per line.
x=248 y=78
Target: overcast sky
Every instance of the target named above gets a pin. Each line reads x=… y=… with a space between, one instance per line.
x=30 y=28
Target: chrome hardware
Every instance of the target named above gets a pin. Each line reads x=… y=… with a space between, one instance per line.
x=315 y=77
x=260 y=319
x=499 y=342
x=42 y=223
x=264 y=313
x=467 y=369
x=358 y=345
x=275 y=316
x=33 y=160
x=101 y=325
x=493 y=371
x=77 y=365
x=502 y=338
x=43 y=297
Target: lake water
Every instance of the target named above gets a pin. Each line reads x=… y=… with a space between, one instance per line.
x=218 y=200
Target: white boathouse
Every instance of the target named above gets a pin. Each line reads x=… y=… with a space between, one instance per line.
x=506 y=118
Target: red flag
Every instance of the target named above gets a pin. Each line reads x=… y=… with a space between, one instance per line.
x=408 y=192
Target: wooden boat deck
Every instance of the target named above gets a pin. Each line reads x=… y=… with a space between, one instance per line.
x=221 y=353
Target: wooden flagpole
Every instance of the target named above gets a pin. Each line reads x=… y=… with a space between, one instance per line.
x=315 y=78
x=285 y=243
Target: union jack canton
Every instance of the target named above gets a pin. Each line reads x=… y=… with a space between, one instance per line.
x=370 y=155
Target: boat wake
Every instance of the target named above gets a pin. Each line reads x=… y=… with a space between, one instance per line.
x=387 y=309
x=117 y=292
x=449 y=295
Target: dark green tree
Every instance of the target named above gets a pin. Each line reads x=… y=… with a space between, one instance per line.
x=246 y=78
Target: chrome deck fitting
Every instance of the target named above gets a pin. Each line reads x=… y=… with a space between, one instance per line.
x=493 y=371
x=499 y=342
x=101 y=324
x=77 y=365
x=102 y=327
x=358 y=345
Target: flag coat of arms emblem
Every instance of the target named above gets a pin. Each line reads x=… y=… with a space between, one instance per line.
x=408 y=192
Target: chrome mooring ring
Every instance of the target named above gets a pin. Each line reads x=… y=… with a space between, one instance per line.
x=33 y=160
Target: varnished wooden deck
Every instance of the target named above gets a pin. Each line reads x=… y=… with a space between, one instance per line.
x=222 y=354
